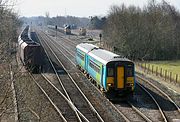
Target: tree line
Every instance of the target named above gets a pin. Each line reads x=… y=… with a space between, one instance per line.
x=97 y=22
x=60 y=21
x=93 y=22
x=148 y=33
x=69 y=20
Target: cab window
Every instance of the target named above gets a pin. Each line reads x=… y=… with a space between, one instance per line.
x=110 y=72
x=129 y=72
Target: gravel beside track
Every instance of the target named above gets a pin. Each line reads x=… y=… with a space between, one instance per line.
x=146 y=105
x=62 y=105
x=127 y=110
x=169 y=109
x=175 y=96
x=32 y=104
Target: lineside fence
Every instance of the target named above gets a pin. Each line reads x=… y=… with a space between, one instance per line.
x=159 y=72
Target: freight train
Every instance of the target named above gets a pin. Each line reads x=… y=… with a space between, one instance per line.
x=112 y=73
x=30 y=52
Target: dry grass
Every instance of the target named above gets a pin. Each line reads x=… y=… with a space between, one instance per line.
x=171 y=66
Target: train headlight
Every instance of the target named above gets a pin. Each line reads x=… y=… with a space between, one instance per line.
x=110 y=84
x=129 y=84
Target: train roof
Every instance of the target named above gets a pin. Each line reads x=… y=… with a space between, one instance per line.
x=85 y=47
x=105 y=56
x=31 y=44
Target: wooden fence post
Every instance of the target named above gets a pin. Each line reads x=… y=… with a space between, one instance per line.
x=157 y=71
x=148 y=68
x=165 y=75
x=142 y=65
x=170 y=76
x=145 y=67
x=161 y=72
x=176 y=78
x=152 y=69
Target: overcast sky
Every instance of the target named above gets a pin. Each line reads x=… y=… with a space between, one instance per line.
x=81 y=8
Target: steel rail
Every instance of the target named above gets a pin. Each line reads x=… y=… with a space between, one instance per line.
x=139 y=112
x=66 y=99
x=161 y=111
x=56 y=108
x=169 y=98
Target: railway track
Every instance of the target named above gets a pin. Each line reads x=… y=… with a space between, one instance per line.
x=73 y=92
x=165 y=116
x=168 y=107
x=49 y=92
x=63 y=109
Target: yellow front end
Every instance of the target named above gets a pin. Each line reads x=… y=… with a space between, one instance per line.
x=110 y=82
x=130 y=83
x=120 y=77
x=120 y=80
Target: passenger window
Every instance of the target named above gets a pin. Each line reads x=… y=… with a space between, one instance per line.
x=110 y=72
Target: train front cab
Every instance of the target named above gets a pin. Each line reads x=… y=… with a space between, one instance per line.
x=120 y=78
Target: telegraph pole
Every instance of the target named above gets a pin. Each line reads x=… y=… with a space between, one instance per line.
x=100 y=36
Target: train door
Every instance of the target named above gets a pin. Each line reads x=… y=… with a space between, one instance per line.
x=120 y=76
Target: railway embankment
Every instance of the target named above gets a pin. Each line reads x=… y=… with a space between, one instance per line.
x=8 y=108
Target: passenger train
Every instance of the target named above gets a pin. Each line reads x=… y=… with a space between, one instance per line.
x=112 y=73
